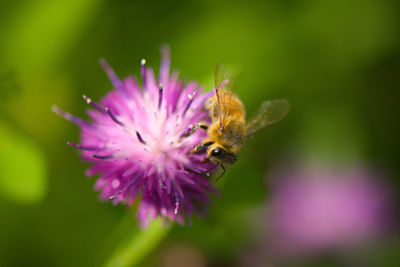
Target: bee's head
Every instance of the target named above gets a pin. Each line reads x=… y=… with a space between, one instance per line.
x=218 y=154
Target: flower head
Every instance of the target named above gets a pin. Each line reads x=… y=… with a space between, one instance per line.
x=320 y=210
x=136 y=142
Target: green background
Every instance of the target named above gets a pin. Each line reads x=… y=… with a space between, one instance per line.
x=337 y=62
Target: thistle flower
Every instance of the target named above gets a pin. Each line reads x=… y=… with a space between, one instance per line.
x=135 y=142
x=314 y=212
x=320 y=210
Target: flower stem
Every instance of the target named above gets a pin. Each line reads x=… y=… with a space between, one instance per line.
x=138 y=244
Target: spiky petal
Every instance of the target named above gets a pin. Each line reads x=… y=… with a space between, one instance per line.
x=134 y=143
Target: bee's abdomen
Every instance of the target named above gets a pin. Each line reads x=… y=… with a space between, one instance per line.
x=231 y=106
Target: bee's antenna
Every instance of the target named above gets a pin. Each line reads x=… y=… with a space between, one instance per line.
x=207 y=172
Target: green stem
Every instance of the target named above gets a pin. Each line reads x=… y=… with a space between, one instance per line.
x=138 y=245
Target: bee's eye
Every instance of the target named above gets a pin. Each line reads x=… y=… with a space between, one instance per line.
x=216 y=152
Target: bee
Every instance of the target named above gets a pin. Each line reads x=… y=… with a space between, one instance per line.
x=228 y=130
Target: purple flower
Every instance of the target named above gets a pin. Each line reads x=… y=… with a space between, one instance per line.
x=135 y=143
x=321 y=210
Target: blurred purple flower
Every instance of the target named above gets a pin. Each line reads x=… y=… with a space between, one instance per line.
x=134 y=141
x=320 y=210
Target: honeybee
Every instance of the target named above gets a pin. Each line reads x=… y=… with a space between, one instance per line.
x=228 y=129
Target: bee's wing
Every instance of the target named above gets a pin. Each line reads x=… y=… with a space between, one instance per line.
x=222 y=81
x=222 y=78
x=270 y=112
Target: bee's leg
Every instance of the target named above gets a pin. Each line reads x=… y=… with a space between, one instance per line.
x=223 y=168
x=207 y=172
x=191 y=131
x=202 y=146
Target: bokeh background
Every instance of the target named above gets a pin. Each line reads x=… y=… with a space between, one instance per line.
x=336 y=61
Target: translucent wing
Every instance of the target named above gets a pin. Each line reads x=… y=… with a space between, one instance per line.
x=222 y=82
x=270 y=113
x=222 y=78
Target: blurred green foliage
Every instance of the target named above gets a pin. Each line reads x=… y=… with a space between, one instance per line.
x=337 y=62
x=22 y=169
